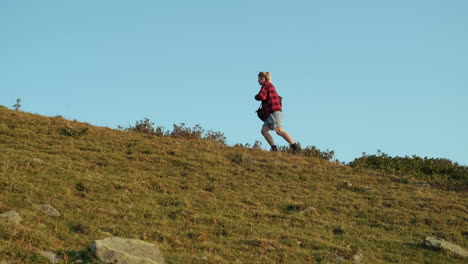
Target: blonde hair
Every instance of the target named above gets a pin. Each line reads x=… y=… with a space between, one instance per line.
x=267 y=75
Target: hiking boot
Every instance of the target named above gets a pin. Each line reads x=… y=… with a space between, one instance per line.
x=295 y=149
x=274 y=148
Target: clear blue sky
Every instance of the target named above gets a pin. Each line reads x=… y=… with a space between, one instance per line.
x=356 y=76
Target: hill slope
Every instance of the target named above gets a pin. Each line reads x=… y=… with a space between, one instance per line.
x=196 y=198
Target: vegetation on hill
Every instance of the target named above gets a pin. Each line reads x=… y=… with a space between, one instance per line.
x=440 y=172
x=201 y=201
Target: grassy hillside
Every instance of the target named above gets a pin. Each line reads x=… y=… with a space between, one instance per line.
x=197 y=198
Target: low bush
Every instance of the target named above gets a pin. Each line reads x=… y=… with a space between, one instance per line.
x=311 y=151
x=146 y=126
x=70 y=131
x=438 y=171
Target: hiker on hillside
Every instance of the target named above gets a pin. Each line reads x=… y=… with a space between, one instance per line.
x=272 y=112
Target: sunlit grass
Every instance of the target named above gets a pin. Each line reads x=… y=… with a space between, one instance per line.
x=198 y=198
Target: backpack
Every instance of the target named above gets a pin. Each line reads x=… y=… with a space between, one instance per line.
x=262 y=114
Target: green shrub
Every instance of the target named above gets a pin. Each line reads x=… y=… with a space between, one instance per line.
x=257 y=145
x=311 y=151
x=181 y=131
x=215 y=136
x=74 y=132
x=438 y=171
x=146 y=126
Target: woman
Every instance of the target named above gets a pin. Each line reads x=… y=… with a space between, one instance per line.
x=271 y=104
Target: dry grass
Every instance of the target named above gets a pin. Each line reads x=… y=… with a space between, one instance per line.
x=197 y=198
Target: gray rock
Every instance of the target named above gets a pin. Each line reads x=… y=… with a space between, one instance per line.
x=358 y=258
x=10 y=216
x=422 y=184
x=309 y=209
x=48 y=210
x=50 y=256
x=439 y=243
x=270 y=248
x=37 y=160
x=339 y=260
x=127 y=251
x=204 y=258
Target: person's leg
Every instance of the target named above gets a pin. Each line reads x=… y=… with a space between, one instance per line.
x=283 y=134
x=296 y=149
x=268 y=137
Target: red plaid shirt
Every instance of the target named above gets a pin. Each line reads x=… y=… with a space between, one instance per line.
x=270 y=99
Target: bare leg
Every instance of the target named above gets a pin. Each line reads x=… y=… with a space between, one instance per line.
x=268 y=137
x=283 y=134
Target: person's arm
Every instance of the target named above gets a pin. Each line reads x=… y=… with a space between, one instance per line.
x=262 y=95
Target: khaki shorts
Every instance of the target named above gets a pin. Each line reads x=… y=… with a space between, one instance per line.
x=274 y=120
